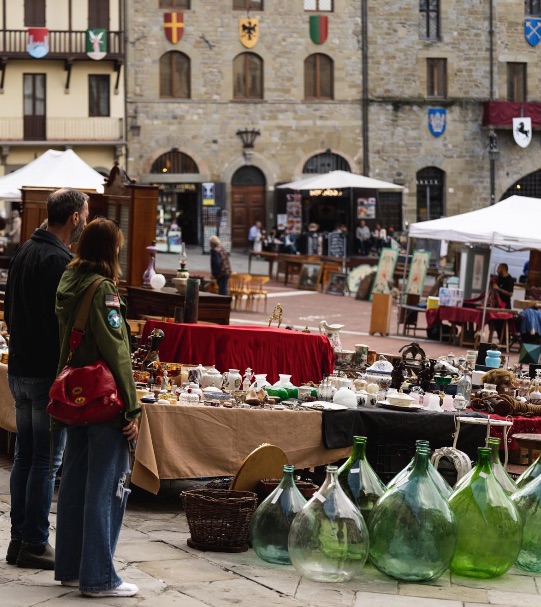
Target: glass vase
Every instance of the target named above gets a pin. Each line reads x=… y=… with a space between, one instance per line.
x=358 y=479
x=530 y=474
x=489 y=526
x=438 y=479
x=328 y=540
x=528 y=503
x=271 y=521
x=507 y=483
x=412 y=530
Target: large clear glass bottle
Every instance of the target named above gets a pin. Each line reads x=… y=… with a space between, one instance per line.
x=528 y=503
x=412 y=530
x=271 y=521
x=489 y=526
x=358 y=479
x=438 y=479
x=328 y=540
x=530 y=474
x=501 y=474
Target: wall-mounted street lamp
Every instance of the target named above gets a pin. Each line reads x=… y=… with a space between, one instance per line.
x=135 y=127
x=248 y=137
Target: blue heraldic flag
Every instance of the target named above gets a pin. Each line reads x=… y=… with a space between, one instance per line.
x=437 y=121
x=532 y=31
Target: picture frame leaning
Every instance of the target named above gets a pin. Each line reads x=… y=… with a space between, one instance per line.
x=338 y=284
x=310 y=276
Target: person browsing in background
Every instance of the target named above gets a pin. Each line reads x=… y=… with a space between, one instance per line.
x=362 y=235
x=92 y=496
x=288 y=242
x=505 y=284
x=14 y=234
x=254 y=234
x=34 y=351
x=379 y=236
x=220 y=266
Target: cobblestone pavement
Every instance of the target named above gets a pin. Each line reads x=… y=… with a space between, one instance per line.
x=152 y=553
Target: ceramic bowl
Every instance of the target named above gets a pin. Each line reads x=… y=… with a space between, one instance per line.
x=346 y=356
x=399 y=399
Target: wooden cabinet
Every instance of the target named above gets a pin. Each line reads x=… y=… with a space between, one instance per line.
x=133 y=206
x=146 y=301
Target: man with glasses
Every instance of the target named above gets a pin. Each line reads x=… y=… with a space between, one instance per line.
x=34 y=350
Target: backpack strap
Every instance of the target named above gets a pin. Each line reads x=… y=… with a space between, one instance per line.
x=79 y=326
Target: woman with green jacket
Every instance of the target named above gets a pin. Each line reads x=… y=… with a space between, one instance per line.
x=92 y=496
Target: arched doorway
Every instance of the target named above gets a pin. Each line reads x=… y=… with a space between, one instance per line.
x=178 y=195
x=247 y=203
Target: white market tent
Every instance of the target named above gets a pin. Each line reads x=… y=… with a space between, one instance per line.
x=338 y=180
x=54 y=169
x=513 y=223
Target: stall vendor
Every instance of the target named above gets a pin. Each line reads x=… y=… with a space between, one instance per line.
x=505 y=284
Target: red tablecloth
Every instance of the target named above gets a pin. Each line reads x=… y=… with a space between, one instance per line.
x=521 y=425
x=459 y=315
x=305 y=356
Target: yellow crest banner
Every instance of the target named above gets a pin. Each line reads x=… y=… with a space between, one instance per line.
x=248 y=31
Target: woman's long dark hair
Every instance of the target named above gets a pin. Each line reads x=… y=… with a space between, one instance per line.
x=98 y=249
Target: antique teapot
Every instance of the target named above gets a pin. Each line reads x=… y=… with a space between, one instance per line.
x=212 y=378
x=333 y=334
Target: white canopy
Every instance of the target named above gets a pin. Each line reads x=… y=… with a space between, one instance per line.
x=514 y=222
x=338 y=180
x=52 y=169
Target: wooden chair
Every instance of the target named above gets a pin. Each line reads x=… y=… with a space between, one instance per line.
x=256 y=292
x=238 y=288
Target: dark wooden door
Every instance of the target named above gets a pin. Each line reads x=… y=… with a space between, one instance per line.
x=34 y=107
x=247 y=206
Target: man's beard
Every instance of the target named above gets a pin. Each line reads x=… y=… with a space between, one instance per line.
x=76 y=234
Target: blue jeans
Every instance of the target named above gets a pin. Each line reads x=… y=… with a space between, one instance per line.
x=91 y=504
x=31 y=484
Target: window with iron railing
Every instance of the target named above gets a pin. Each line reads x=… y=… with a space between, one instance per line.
x=429 y=19
x=318 y=77
x=532 y=8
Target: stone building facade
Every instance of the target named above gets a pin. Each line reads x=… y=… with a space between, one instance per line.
x=393 y=66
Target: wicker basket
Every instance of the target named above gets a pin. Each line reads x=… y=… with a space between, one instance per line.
x=219 y=519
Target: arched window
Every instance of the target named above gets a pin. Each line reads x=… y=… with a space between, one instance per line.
x=530 y=185
x=318 y=77
x=325 y=163
x=248 y=76
x=174 y=162
x=248 y=175
x=175 y=75
x=430 y=193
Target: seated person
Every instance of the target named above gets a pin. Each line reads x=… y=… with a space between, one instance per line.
x=288 y=242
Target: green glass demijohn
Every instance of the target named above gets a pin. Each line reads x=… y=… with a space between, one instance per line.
x=438 y=479
x=270 y=525
x=328 y=540
x=412 y=530
x=488 y=523
x=358 y=479
x=501 y=474
x=528 y=503
x=530 y=474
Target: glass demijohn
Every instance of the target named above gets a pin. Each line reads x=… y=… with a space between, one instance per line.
x=271 y=521
x=412 y=529
x=528 y=503
x=328 y=540
x=358 y=479
x=530 y=474
x=489 y=526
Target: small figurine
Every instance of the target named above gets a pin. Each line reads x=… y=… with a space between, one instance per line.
x=398 y=374
x=153 y=341
x=247 y=379
x=277 y=315
x=426 y=375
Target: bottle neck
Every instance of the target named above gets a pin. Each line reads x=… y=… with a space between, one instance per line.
x=288 y=476
x=494 y=446
x=359 y=448
x=484 y=464
x=420 y=462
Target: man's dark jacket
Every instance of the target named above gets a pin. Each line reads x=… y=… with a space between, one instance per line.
x=29 y=305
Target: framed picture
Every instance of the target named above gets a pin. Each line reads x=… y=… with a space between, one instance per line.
x=309 y=276
x=338 y=284
x=417 y=273
x=384 y=274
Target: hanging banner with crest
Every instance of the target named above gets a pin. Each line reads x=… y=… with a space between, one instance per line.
x=532 y=31
x=96 y=44
x=173 y=26
x=522 y=131
x=319 y=28
x=437 y=121
x=37 y=42
x=249 y=31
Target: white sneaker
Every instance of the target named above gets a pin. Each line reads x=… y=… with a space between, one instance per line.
x=124 y=589
x=70 y=583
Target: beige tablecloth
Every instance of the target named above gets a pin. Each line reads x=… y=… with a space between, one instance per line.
x=7 y=410
x=183 y=441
